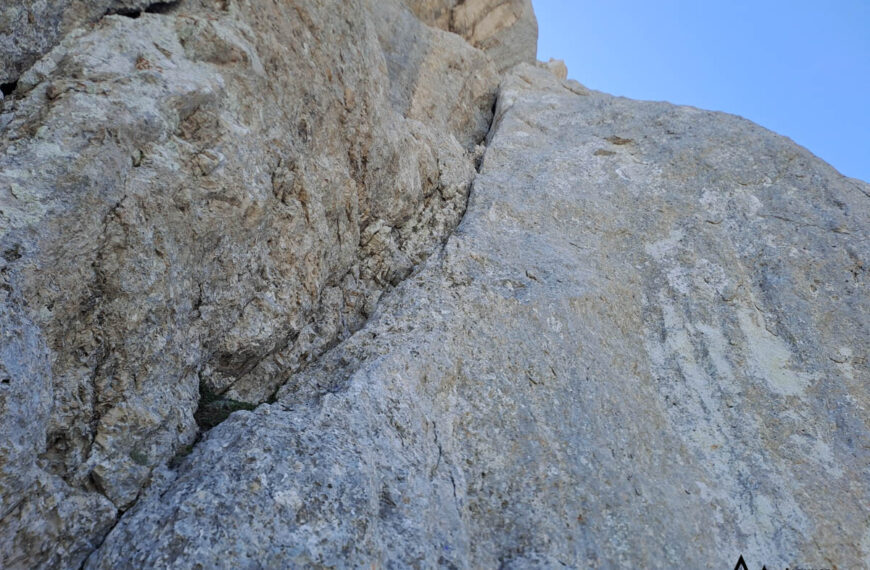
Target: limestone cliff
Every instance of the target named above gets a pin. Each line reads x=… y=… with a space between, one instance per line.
x=353 y=283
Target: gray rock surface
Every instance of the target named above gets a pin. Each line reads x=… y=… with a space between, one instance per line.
x=644 y=346
x=30 y=28
x=193 y=204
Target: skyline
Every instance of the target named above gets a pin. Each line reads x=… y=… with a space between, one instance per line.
x=801 y=69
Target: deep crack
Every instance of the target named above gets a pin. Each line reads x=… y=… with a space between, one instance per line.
x=153 y=8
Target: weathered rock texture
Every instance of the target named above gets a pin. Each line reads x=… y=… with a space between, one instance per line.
x=30 y=28
x=645 y=345
x=505 y=29
x=194 y=205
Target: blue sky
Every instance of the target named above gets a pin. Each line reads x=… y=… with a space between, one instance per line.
x=800 y=68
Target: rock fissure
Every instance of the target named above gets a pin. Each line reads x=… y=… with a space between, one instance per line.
x=136 y=11
x=242 y=367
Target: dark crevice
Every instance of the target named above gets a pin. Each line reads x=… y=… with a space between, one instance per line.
x=155 y=8
x=101 y=540
x=214 y=408
x=11 y=254
x=161 y=7
x=8 y=88
x=127 y=13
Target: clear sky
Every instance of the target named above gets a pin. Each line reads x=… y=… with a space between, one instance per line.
x=798 y=67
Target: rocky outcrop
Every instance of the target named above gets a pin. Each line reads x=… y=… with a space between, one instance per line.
x=505 y=29
x=645 y=344
x=195 y=204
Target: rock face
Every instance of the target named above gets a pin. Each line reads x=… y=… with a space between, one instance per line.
x=195 y=204
x=645 y=344
x=506 y=29
x=30 y=28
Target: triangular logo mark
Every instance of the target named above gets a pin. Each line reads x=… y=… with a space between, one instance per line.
x=741 y=564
